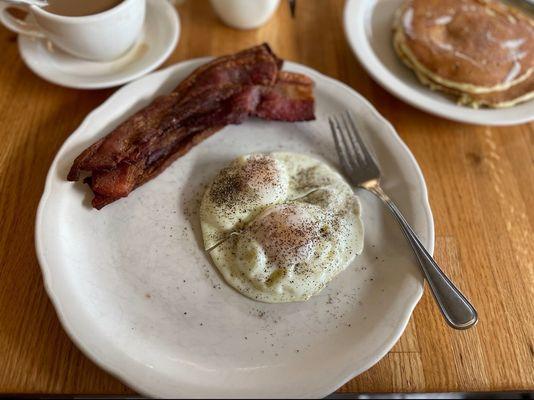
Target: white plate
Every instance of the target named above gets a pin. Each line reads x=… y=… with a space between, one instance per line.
x=158 y=39
x=134 y=289
x=368 y=27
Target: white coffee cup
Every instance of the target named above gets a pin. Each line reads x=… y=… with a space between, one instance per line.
x=98 y=37
x=245 y=14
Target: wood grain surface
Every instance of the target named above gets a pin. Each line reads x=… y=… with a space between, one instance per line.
x=480 y=182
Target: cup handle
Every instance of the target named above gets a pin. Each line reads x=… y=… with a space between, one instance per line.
x=18 y=25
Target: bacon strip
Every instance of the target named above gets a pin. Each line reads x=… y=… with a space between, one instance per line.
x=290 y=99
x=225 y=91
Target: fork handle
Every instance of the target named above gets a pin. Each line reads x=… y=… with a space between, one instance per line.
x=456 y=309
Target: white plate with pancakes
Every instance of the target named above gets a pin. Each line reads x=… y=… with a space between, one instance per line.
x=135 y=290
x=369 y=31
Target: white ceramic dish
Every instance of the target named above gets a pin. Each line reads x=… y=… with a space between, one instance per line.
x=157 y=40
x=368 y=25
x=136 y=292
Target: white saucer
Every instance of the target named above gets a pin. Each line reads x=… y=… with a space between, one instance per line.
x=158 y=39
x=368 y=25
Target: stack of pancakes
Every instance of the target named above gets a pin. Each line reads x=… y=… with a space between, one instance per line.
x=480 y=51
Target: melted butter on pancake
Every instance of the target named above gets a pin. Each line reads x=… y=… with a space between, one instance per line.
x=443 y=20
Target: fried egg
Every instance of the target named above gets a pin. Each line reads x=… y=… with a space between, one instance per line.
x=280 y=226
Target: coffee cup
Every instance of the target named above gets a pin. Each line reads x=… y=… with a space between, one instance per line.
x=245 y=14
x=103 y=36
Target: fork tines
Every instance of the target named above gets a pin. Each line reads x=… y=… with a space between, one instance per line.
x=356 y=159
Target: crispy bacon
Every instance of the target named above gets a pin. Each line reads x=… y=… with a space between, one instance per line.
x=225 y=91
x=290 y=99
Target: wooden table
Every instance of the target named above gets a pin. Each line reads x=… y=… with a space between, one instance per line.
x=480 y=182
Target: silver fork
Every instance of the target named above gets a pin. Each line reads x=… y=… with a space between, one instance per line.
x=363 y=171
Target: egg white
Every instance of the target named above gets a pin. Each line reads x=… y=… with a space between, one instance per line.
x=297 y=225
x=239 y=192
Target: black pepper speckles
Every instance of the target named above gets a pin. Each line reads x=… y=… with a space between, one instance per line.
x=309 y=178
x=226 y=188
x=241 y=183
x=286 y=233
x=293 y=256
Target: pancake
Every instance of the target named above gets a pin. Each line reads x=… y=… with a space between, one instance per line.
x=480 y=51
